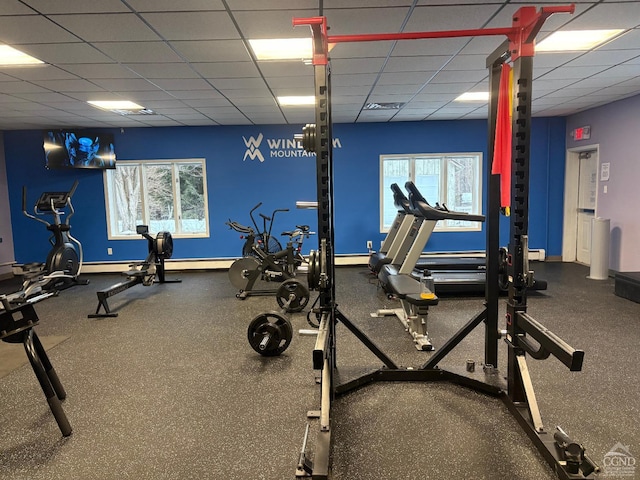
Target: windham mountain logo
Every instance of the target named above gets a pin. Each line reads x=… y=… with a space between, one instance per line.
x=278 y=148
x=253 y=145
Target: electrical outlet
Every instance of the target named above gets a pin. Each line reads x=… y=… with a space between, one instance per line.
x=369 y=244
x=109 y=251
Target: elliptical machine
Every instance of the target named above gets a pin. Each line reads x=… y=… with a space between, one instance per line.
x=64 y=261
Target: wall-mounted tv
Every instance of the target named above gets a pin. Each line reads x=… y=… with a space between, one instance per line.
x=78 y=149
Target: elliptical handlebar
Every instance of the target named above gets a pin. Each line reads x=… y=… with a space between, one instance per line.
x=51 y=203
x=72 y=210
x=31 y=215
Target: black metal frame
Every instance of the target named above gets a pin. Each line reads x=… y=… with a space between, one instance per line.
x=517 y=393
x=16 y=326
x=137 y=276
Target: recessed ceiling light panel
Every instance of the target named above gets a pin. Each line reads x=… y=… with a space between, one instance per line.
x=9 y=56
x=121 y=107
x=575 y=40
x=473 y=97
x=301 y=100
x=282 y=48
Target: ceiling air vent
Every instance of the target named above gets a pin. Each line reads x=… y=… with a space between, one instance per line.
x=124 y=111
x=384 y=106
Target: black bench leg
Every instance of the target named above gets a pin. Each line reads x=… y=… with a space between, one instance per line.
x=47 y=378
x=48 y=368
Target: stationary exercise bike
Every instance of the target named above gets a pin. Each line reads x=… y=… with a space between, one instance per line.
x=254 y=236
x=274 y=267
x=64 y=261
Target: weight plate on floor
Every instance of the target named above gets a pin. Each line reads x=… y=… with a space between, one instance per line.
x=293 y=292
x=241 y=270
x=269 y=334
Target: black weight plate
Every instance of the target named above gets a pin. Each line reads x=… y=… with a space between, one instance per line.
x=503 y=273
x=276 y=327
x=313 y=273
x=299 y=292
x=240 y=271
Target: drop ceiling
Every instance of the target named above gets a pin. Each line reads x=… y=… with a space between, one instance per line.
x=188 y=61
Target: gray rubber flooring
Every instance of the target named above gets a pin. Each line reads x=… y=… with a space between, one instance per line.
x=171 y=389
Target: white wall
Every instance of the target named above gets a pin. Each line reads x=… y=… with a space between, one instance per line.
x=616 y=129
x=6 y=233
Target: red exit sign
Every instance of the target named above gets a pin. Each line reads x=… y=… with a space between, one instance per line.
x=581 y=133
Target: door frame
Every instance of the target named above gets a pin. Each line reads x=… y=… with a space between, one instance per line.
x=571 y=182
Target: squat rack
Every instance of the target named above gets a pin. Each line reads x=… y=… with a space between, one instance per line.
x=566 y=457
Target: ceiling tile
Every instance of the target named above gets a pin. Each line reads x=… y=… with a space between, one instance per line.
x=182 y=84
x=227 y=69
x=192 y=25
x=172 y=5
x=67 y=53
x=159 y=70
x=45 y=72
x=86 y=6
x=25 y=29
x=357 y=65
x=212 y=50
x=124 y=84
x=238 y=5
x=138 y=52
x=99 y=70
x=354 y=21
x=361 y=50
x=180 y=57
x=101 y=27
x=292 y=82
x=272 y=23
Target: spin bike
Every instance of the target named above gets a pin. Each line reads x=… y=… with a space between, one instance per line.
x=145 y=272
x=274 y=267
x=64 y=261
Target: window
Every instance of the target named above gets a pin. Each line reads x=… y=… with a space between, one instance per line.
x=167 y=195
x=452 y=179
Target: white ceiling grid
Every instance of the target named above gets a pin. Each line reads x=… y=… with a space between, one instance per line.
x=189 y=60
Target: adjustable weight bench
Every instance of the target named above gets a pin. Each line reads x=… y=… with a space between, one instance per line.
x=415 y=300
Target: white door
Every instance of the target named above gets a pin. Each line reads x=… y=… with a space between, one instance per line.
x=587 y=186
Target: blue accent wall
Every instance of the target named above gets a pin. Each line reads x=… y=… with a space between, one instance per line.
x=237 y=180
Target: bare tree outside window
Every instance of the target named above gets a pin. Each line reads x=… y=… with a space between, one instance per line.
x=450 y=179
x=167 y=195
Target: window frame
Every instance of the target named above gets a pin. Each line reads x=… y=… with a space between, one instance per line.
x=443 y=178
x=174 y=164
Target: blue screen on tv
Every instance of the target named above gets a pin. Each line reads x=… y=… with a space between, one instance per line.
x=79 y=149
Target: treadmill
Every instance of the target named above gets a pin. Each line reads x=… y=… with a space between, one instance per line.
x=451 y=275
x=392 y=249
x=398 y=231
